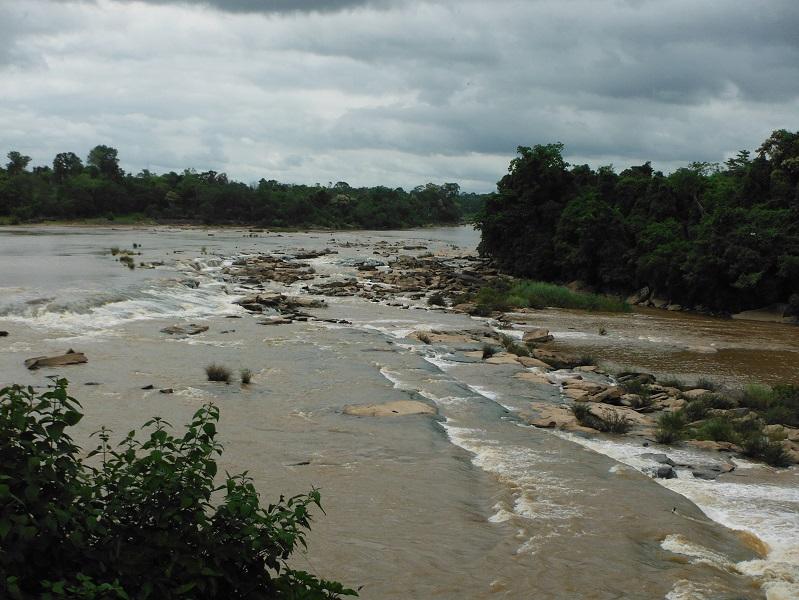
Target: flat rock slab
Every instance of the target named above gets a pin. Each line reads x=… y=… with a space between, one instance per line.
x=532 y=377
x=397 y=408
x=185 y=330
x=70 y=358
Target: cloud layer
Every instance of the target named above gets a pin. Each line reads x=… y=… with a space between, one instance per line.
x=395 y=92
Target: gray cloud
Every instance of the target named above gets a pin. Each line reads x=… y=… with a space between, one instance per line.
x=395 y=92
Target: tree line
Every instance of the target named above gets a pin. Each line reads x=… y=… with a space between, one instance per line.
x=98 y=188
x=720 y=237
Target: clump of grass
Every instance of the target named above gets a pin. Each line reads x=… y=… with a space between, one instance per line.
x=488 y=351
x=634 y=386
x=512 y=346
x=707 y=384
x=424 y=338
x=114 y=250
x=246 y=376
x=436 y=299
x=612 y=422
x=127 y=260
x=719 y=401
x=672 y=382
x=671 y=427
x=217 y=372
x=504 y=295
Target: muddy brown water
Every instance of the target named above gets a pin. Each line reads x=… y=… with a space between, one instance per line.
x=470 y=504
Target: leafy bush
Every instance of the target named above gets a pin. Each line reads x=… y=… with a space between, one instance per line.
x=720 y=401
x=756 y=397
x=634 y=386
x=136 y=520
x=695 y=410
x=760 y=447
x=217 y=372
x=718 y=429
x=671 y=427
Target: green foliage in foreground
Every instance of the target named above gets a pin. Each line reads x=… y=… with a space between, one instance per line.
x=721 y=237
x=504 y=296
x=100 y=189
x=137 y=520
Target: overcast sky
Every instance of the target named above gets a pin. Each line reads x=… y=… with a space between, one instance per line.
x=395 y=92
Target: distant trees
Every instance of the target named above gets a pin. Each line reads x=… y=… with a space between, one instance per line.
x=100 y=188
x=723 y=238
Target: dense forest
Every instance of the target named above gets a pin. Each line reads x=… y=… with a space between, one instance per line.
x=707 y=236
x=71 y=189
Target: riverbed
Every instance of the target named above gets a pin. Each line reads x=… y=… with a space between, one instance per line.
x=470 y=504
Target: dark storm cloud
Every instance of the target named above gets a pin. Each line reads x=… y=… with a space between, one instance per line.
x=396 y=91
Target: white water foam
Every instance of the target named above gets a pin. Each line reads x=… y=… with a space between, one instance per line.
x=769 y=512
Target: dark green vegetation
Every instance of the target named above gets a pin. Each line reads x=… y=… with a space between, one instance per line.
x=738 y=417
x=217 y=372
x=70 y=189
x=505 y=295
x=137 y=520
x=722 y=238
x=610 y=422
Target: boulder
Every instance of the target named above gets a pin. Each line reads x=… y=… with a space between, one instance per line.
x=714 y=446
x=396 y=408
x=70 y=358
x=640 y=296
x=531 y=377
x=275 y=321
x=611 y=395
x=502 y=358
x=665 y=472
x=659 y=458
x=3 y=334
x=537 y=336
x=695 y=393
x=530 y=362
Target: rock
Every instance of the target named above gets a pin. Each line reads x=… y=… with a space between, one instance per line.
x=665 y=472
x=604 y=411
x=704 y=474
x=464 y=307
x=674 y=307
x=191 y=329
x=275 y=321
x=695 y=393
x=659 y=458
x=611 y=395
x=537 y=336
x=714 y=446
x=149 y=387
x=576 y=394
x=775 y=313
x=642 y=378
x=502 y=358
x=166 y=391
x=3 y=334
x=70 y=358
x=92 y=383
x=552 y=416
x=531 y=377
x=530 y=362
x=640 y=296
x=590 y=387
x=389 y=409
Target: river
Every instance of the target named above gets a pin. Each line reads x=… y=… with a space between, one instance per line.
x=471 y=504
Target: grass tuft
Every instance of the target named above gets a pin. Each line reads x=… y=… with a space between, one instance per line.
x=246 y=376
x=217 y=372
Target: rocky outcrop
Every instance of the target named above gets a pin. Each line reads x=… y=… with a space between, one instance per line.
x=70 y=358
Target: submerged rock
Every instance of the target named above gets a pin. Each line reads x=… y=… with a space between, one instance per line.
x=191 y=329
x=396 y=408
x=70 y=358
